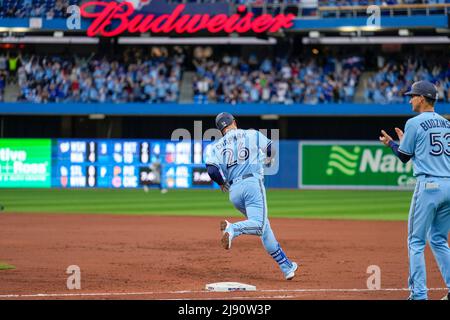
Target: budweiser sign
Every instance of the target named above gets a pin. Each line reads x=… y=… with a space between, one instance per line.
x=112 y=19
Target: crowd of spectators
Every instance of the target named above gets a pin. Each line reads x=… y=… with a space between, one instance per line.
x=134 y=77
x=8 y=69
x=2 y=86
x=47 y=9
x=154 y=76
x=343 y=3
x=319 y=2
x=394 y=78
x=236 y=80
x=240 y=1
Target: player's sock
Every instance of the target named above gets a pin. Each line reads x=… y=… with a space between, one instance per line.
x=283 y=262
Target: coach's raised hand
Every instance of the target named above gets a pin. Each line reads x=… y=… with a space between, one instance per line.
x=385 y=138
x=399 y=134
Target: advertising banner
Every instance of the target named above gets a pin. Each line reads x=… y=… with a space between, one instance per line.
x=25 y=163
x=348 y=165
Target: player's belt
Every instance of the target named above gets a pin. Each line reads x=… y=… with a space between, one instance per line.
x=428 y=176
x=245 y=176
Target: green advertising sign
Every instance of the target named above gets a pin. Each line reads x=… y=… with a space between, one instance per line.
x=25 y=163
x=366 y=165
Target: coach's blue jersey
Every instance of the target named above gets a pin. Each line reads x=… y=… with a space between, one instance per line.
x=239 y=152
x=427 y=140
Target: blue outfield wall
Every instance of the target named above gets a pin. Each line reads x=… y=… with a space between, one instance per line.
x=175 y=109
x=416 y=21
x=287 y=176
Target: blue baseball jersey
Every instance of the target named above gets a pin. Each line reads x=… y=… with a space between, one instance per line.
x=427 y=140
x=239 y=152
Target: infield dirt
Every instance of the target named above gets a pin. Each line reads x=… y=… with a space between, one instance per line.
x=154 y=257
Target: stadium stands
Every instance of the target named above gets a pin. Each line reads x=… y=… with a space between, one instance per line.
x=2 y=87
x=337 y=8
x=3 y=76
x=157 y=77
x=393 y=78
x=224 y=78
x=234 y=80
x=131 y=78
x=48 y=9
x=320 y=2
x=235 y=1
x=343 y=3
x=388 y=8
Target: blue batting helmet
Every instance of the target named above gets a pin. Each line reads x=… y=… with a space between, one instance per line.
x=223 y=120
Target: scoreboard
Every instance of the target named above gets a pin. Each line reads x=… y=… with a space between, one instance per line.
x=119 y=163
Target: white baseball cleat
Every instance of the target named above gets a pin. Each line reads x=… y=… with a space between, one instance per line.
x=226 y=237
x=223 y=225
x=291 y=274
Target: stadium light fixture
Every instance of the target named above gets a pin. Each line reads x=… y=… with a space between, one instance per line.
x=370 y=28
x=197 y=40
x=314 y=34
x=403 y=32
x=16 y=29
x=377 y=40
x=356 y=29
x=50 y=40
x=347 y=29
x=270 y=117
x=442 y=30
x=95 y=116
x=19 y=29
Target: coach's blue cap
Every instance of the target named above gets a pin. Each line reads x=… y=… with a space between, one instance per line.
x=423 y=88
x=223 y=120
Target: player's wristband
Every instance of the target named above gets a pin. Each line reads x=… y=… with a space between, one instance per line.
x=403 y=157
x=214 y=174
x=392 y=144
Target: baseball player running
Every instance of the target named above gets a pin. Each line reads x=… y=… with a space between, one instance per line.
x=427 y=142
x=235 y=162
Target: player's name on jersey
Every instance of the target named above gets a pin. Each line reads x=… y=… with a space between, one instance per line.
x=435 y=123
x=233 y=138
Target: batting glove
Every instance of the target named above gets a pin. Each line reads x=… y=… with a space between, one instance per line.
x=225 y=187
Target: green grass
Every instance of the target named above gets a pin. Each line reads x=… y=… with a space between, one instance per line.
x=323 y=204
x=4 y=266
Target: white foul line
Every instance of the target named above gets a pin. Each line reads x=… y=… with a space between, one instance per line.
x=87 y=294
x=238 y=298
x=106 y=294
x=345 y=290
